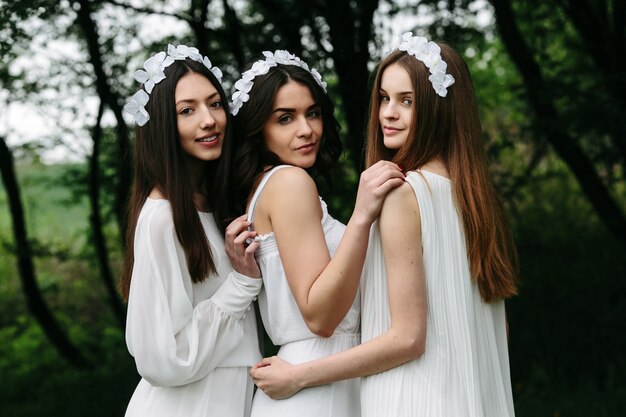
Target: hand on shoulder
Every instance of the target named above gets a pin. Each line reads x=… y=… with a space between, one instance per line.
x=374 y=185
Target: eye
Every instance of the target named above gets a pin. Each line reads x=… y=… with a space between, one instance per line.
x=384 y=98
x=407 y=101
x=216 y=104
x=185 y=111
x=315 y=113
x=284 y=119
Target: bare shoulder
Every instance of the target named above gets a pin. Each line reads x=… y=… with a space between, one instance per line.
x=290 y=193
x=291 y=179
x=400 y=200
x=290 y=186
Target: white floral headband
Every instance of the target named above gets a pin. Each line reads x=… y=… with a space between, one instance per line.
x=244 y=84
x=429 y=53
x=153 y=73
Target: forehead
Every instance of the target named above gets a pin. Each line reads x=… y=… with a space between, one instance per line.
x=192 y=85
x=395 y=78
x=292 y=95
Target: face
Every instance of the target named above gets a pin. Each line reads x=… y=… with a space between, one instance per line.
x=294 y=129
x=396 y=106
x=200 y=116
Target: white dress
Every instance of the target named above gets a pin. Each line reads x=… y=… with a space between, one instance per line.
x=464 y=371
x=193 y=343
x=286 y=327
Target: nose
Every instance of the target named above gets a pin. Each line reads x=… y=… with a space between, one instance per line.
x=207 y=121
x=389 y=111
x=304 y=128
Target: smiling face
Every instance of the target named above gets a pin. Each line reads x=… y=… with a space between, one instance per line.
x=396 y=106
x=294 y=130
x=200 y=117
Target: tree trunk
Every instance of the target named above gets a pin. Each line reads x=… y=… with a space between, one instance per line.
x=95 y=219
x=546 y=115
x=112 y=100
x=36 y=304
x=350 y=54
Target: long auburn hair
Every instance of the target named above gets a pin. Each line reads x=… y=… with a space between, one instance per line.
x=250 y=156
x=161 y=163
x=449 y=128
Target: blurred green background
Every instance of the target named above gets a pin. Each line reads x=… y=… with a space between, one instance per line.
x=551 y=84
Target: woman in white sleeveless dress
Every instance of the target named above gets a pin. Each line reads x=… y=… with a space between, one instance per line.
x=440 y=259
x=188 y=326
x=311 y=263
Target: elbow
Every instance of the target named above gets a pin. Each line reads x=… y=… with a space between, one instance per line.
x=321 y=328
x=415 y=348
x=161 y=376
x=411 y=346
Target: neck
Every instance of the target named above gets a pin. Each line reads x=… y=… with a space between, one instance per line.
x=197 y=173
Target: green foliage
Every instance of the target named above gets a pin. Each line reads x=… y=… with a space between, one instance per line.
x=37 y=382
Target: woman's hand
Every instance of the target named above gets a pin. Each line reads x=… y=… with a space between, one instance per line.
x=241 y=253
x=276 y=377
x=374 y=185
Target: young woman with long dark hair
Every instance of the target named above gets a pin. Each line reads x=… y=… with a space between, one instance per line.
x=189 y=327
x=286 y=138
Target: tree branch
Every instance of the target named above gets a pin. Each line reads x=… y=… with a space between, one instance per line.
x=545 y=113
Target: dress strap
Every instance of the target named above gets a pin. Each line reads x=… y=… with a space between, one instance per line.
x=259 y=189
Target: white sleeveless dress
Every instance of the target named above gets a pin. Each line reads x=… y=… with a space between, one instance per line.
x=286 y=327
x=464 y=371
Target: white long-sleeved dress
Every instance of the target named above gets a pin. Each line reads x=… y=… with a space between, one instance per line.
x=192 y=342
x=464 y=371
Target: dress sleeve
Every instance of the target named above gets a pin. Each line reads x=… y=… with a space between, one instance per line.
x=172 y=342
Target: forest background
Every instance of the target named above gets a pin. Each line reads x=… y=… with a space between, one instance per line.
x=551 y=83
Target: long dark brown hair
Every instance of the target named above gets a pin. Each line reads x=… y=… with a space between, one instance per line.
x=448 y=128
x=251 y=156
x=160 y=163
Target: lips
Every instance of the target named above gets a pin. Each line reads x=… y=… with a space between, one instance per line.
x=208 y=138
x=307 y=147
x=390 y=130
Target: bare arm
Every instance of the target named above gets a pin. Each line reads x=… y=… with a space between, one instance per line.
x=323 y=288
x=401 y=242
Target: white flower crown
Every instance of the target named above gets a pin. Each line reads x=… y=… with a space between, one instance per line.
x=429 y=53
x=153 y=73
x=243 y=86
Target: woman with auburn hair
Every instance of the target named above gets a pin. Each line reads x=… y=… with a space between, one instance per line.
x=440 y=260
x=189 y=325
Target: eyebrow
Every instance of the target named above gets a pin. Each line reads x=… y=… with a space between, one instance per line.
x=401 y=93
x=288 y=110
x=190 y=100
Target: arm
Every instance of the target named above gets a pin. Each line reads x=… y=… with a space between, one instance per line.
x=173 y=342
x=401 y=244
x=323 y=288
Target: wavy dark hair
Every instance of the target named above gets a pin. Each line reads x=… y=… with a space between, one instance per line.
x=160 y=162
x=449 y=128
x=250 y=156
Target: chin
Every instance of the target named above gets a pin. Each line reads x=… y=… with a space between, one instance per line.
x=393 y=145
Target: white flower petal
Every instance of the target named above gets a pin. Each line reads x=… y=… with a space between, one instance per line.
x=142 y=76
x=217 y=72
x=149 y=85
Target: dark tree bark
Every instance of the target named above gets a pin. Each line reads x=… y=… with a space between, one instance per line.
x=548 y=122
x=95 y=219
x=233 y=34
x=350 y=55
x=113 y=101
x=601 y=27
x=36 y=304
